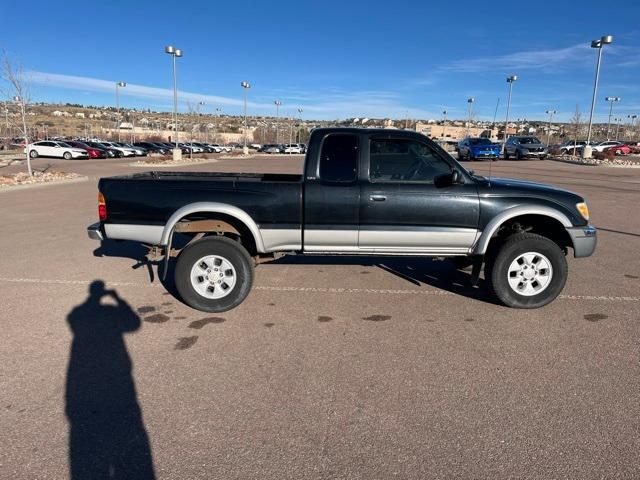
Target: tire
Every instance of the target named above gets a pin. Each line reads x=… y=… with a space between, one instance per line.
x=67 y=155
x=542 y=157
x=506 y=154
x=33 y=154
x=518 y=155
x=514 y=283
x=208 y=251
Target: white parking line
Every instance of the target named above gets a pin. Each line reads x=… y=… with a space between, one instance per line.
x=606 y=298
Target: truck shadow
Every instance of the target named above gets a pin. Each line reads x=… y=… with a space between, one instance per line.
x=107 y=436
x=124 y=249
x=415 y=270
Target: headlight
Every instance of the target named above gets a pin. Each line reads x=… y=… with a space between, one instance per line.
x=583 y=209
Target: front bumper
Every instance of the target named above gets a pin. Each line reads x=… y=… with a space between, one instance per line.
x=94 y=231
x=584 y=240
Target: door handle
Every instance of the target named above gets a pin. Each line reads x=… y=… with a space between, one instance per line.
x=377 y=198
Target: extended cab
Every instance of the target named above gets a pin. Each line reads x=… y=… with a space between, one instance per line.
x=362 y=192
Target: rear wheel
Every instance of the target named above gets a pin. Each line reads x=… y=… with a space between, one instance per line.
x=214 y=274
x=527 y=271
x=33 y=154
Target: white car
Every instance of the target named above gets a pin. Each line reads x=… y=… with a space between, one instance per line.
x=194 y=148
x=220 y=148
x=127 y=152
x=292 y=148
x=602 y=145
x=140 y=152
x=48 y=148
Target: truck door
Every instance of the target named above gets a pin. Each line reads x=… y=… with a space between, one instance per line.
x=332 y=196
x=401 y=207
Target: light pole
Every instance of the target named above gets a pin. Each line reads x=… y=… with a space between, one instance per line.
x=618 y=120
x=610 y=100
x=444 y=122
x=470 y=101
x=300 y=128
x=175 y=53
x=277 y=103
x=599 y=44
x=215 y=124
x=245 y=86
x=632 y=120
x=510 y=80
x=551 y=113
x=118 y=86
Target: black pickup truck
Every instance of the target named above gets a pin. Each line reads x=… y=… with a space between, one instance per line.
x=363 y=192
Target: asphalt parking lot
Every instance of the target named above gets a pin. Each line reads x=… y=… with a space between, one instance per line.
x=332 y=368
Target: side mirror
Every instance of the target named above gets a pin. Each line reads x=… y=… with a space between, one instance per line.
x=447 y=179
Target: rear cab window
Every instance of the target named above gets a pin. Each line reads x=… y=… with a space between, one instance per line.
x=339 y=158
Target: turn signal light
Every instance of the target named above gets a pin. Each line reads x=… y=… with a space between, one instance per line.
x=583 y=209
x=102 y=207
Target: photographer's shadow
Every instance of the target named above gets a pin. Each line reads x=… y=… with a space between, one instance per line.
x=107 y=437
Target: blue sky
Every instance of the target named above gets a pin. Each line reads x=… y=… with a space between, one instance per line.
x=333 y=59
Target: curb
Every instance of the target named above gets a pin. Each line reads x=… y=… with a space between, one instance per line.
x=584 y=164
x=44 y=184
x=181 y=164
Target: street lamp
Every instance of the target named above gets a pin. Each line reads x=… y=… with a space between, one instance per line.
x=175 y=53
x=617 y=120
x=300 y=128
x=277 y=103
x=632 y=121
x=510 y=81
x=245 y=86
x=470 y=101
x=610 y=100
x=551 y=113
x=118 y=86
x=444 y=122
x=599 y=44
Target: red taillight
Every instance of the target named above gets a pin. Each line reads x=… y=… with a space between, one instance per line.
x=102 y=207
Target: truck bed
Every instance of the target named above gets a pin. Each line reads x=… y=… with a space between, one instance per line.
x=150 y=198
x=211 y=176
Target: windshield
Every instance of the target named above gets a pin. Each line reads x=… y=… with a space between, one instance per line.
x=479 y=141
x=525 y=140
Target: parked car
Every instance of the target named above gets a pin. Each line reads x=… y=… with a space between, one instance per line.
x=620 y=149
x=127 y=152
x=291 y=148
x=472 y=148
x=524 y=147
x=47 y=148
x=93 y=152
x=602 y=146
x=273 y=148
x=140 y=151
x=151 y=147
x=363 y=192
x=112 y=152
x=194 y=147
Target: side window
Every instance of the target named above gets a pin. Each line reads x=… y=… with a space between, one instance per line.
x=401 y=160
x=339 y=158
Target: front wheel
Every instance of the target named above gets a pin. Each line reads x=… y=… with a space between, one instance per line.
x=67 y=155
x=214 y=274
x=528 y=271
x=33 y=154
x=506 y=154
